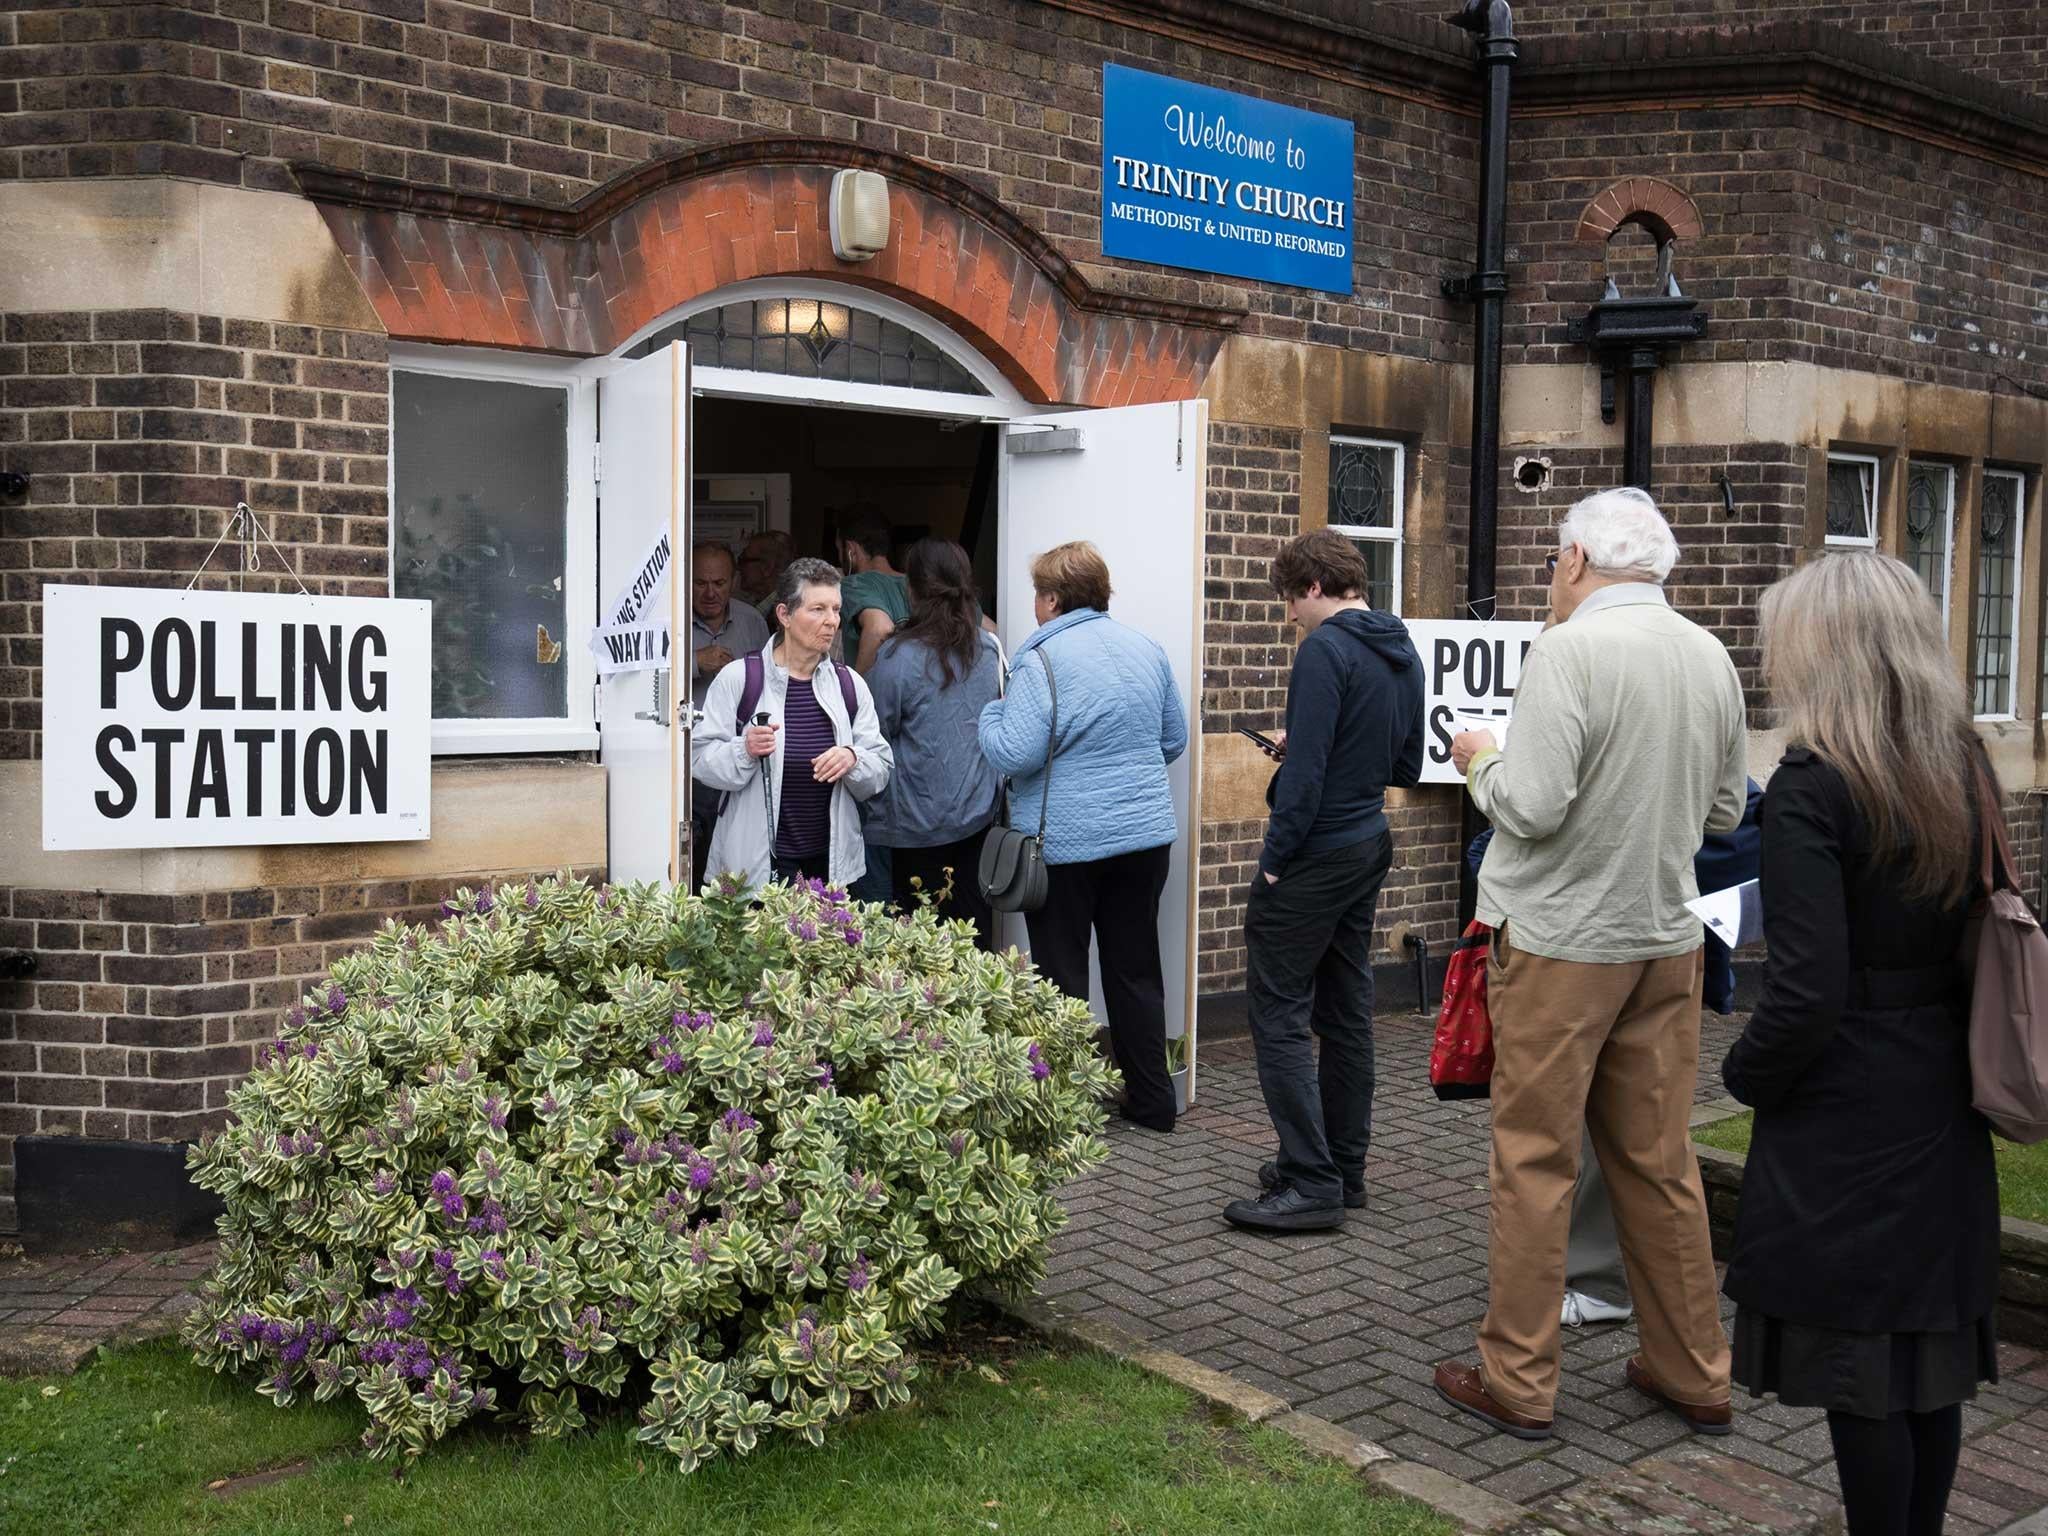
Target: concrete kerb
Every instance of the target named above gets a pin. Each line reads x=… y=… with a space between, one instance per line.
x=1468 y=1507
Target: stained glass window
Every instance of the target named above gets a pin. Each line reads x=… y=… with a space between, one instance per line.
x=1997 y=625
x=1930 y=523
x=814 y=339
x=1365 y=506
x=1852 y=499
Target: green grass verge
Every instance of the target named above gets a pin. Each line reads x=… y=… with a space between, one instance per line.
x=2022 y=1171
x=1023 y=1440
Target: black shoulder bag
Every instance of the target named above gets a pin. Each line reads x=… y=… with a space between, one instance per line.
x=1012 y=874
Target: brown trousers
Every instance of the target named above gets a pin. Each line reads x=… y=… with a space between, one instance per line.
x=1613 y=1049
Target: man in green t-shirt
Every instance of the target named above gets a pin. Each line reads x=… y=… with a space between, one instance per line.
x=874 y=597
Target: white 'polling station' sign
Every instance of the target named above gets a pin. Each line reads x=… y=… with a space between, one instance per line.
x=1469 y=673
x=215 y=719
x=634 y=636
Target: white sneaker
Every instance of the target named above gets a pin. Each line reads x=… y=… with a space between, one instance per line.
x=1581 y=1309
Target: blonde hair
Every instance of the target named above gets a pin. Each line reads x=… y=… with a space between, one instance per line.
x=1860 y=673
x=1075 y=574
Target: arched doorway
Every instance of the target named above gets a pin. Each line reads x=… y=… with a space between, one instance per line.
x=696 y=306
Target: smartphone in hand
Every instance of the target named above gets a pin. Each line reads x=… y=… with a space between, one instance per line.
x=1265 y=744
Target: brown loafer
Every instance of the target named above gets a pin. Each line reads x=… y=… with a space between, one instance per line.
x=1717 y=1419
x=1460 y=1385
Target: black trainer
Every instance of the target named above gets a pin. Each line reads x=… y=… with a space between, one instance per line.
x=1284 y=1210
x=1269 y=1180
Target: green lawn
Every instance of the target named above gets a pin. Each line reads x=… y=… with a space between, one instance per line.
x=1019 y=1439
x=2022 y=1171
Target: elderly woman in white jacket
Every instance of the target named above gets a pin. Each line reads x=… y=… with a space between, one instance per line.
x=791 y=737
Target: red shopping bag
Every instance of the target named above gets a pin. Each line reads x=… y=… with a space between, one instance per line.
x=1461 y=1060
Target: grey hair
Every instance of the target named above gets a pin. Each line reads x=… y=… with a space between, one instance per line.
x=798 y=574
x=1859 y=670
x=1622 y=533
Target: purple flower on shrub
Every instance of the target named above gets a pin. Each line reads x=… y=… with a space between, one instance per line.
x=296 y=1017
x=250 y=1326
x=737 y=1120
x=803 y=928
x=384 y=1183
x=852 y=936
x=337 y=1000
x=485 y=902
x=494 y=1262
x=294 y=1351
x=824 y=1074
x=574 y=1356
x=764 y=1035
x=672 y=1062
x=494 y=1111
x=447 y=909
x=490 y=1219
x=443 y=1184
x=454 y=1207
x=273 y=1335
x=858 y=1277
x=701 y=1175
x=312 y=1049
x=958 y=1144
x=549 y=1104
x=1040 y=1068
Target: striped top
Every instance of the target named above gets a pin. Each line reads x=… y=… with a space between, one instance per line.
x=804 y=827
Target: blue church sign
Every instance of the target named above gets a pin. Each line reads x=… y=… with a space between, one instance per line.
x=1217 y=182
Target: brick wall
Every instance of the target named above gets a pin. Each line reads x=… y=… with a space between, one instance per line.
x=542 y=100
x=2004 y=40
x=1725 y=560
x=145 y=1010
x=1825 y=241
x=140 y=430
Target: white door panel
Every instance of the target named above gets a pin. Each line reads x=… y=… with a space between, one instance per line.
x=1130 y=481
x=643 y=424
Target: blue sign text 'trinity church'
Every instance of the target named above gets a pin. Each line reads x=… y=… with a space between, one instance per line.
x=1217 y=182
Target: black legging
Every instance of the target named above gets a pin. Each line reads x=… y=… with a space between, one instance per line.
x=1896 y=1472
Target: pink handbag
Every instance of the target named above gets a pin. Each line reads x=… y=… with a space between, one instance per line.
x=2005 y=954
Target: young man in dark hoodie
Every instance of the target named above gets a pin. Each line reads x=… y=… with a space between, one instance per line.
x=1354 y=726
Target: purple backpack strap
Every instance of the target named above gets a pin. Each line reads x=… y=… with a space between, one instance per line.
x=846 y=697
x=751 y=685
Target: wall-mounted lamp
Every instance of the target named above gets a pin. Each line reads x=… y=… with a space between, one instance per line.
x=860 y=215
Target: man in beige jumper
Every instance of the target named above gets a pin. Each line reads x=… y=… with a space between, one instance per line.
x=1627 y=745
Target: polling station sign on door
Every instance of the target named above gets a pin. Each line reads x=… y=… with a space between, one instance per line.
x=1213 y=181
x=1469 y=674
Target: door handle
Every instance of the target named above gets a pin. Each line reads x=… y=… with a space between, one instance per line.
x=658 y=714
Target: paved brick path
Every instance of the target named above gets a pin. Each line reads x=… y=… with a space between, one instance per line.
x=55 y=1311
x=1349 y=1325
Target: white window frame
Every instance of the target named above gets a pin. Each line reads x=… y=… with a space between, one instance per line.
x=2020 y=578
x=1393 y=534
x=1948 y=538
x=1844 y=541
x=577 y=730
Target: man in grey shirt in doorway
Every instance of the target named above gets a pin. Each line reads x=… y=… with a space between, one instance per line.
x=720 y=631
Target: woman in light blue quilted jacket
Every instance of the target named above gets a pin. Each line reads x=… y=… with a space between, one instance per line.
x=1110 y=820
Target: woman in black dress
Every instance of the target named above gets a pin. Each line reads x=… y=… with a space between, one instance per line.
x=1866 y=1249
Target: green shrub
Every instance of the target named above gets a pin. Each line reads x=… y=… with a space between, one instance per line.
x=581 y=1142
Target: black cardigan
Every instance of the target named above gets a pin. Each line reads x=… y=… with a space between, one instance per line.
x=1870 y=1202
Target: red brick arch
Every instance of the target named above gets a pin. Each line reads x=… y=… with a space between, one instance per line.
x=445 y=267
x=1658 y=206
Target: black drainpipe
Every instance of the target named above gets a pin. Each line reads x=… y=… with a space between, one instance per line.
x=1492 y=24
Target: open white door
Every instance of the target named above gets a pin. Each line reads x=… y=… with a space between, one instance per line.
x=1131 y=481
x=643 y=499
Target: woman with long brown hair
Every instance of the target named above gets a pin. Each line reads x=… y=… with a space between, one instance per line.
x=930 y=680
x=1866 y=1247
